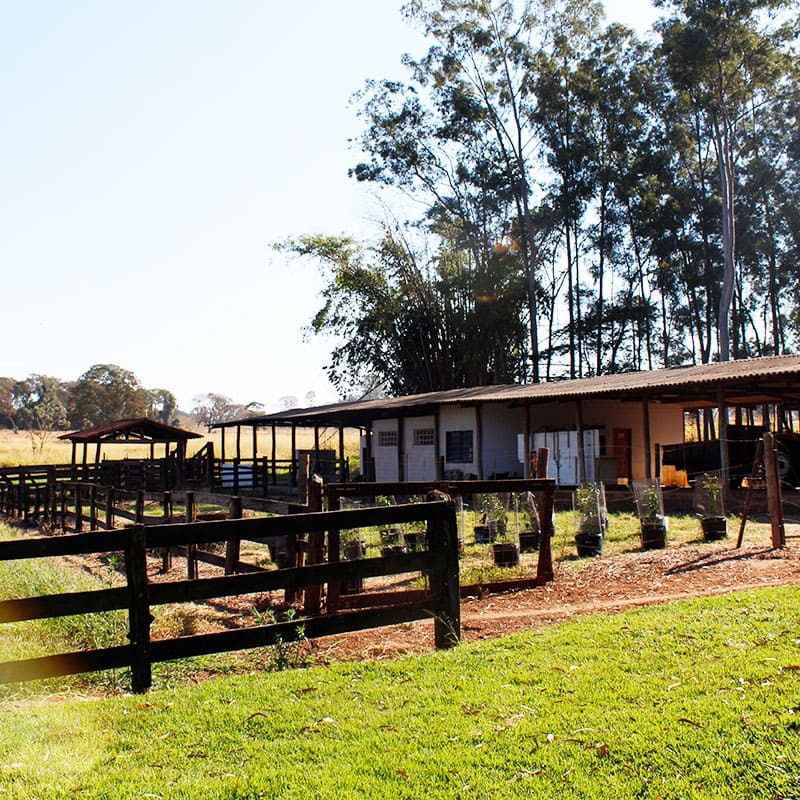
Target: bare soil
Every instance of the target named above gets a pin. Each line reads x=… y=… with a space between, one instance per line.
x=605 y=585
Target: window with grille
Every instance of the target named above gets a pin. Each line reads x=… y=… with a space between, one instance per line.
x=424 y=437
x=458 y=447
x=387 y=438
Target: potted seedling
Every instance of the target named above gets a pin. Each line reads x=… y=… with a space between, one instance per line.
x=493 y=519
x=353 y=544
x=529 y=535
x=589 y=501
x=414 y=535
x=650 y=504
x=505 y=552
x=710 y=503
x=392 y=541
x=353 y=547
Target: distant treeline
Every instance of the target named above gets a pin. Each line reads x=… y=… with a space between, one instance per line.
x=104 y=393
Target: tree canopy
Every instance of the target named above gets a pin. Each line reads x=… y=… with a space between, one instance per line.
x=590 y=202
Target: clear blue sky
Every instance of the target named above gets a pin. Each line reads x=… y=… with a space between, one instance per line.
x=152 y=152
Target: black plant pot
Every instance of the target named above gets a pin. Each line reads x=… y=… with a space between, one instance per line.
x=485 y=534
x=506 y=554
x=714 y=528
x=654 y=535
x=414 y=541
x=353 y=550
x=589 y=544
x=528 y=541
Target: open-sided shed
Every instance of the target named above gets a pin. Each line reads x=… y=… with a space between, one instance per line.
x=141 y=431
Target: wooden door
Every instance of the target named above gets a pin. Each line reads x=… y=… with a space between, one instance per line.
x=622 y=452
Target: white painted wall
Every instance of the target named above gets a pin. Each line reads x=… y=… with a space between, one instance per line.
x=563 y=465
x=666 y=425
x=419 y=460
x=385 y=457
x=552 y=425
x=452 y=418
x=501 y=425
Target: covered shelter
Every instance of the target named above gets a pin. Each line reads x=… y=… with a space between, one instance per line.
x=167 y=472
x=611 y=426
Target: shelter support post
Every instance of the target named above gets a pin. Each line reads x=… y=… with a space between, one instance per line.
x=724 y=452
x=437 y=445
x=648 y=456
x=479 y=439
x=342 y=470
x=293 y=456
x=526 y=445
x=401 y=450
x=581 y=450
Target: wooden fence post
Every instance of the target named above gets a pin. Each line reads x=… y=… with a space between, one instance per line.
x=233 y=546
x=774 y=498
x=303 y=477
x=78 y=508
x=93 y=507
x=334 y=541
x=139 y=612
x=110 y=521
x=63 y=507
x=191 y=549
x=544 y=566
x=23 y=496
x=166 y=553
x=52 y=496
x=139 y=511
x=442 y=535
x=316 y=542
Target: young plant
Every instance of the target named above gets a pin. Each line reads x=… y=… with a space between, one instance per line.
x=711 y=504
x=590 y=505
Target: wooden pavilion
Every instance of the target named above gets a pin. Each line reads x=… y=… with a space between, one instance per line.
x=167 y=472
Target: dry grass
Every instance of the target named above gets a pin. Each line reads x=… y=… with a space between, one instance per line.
x=22 y=448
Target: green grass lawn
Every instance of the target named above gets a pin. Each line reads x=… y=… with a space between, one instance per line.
x=695 y=699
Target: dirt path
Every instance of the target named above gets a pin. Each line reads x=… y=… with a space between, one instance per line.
x=607 y=585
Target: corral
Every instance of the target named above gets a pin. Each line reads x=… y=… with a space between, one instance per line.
x=311 y=563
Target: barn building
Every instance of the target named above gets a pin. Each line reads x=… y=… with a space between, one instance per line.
x=611 y=428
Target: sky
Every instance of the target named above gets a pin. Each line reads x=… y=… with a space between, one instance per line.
x=152 y=154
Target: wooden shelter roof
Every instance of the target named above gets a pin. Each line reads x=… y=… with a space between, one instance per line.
x=142 y=431
x=746 y=382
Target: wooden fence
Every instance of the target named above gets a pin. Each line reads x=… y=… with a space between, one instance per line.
x=258 y=475
x=439 y=561
x=74 y=506
x=543 y=490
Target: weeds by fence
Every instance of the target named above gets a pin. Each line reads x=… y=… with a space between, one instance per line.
x=439 y=561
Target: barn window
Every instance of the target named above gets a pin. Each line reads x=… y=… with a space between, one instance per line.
x=387 y=438
x=458 y=447
x=423 y=437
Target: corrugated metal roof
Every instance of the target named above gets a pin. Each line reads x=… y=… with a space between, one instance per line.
x=755 y=377
x=143 y=428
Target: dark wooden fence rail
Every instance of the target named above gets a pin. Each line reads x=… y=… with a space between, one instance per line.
x=439 y=561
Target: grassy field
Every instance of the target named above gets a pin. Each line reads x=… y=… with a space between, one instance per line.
x=22 y=448
x=690 y=700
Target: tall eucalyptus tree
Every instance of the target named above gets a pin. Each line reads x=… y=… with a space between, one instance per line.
x=721 y=54
x=462 y=129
